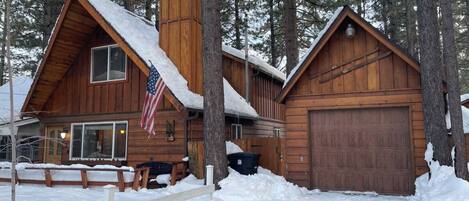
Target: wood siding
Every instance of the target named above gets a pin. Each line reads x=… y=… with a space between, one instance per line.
x=75 y=95
x=76 y=100
x=263 y=88
x=181 y=39
x=141 y=147
x=388 y=81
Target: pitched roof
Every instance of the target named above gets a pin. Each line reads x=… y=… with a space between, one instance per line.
x=332 y=25
x=260 y=64
x=21 y=87
x=140 y=40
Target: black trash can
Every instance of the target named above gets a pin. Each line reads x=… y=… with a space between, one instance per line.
x=244 y=163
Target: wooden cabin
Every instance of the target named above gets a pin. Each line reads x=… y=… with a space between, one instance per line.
x=89 y=88
x=354 y=116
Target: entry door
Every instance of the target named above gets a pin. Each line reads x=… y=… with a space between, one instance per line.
x=366 y=149
x=53 y=148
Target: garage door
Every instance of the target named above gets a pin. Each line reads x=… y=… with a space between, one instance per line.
x=361 y=150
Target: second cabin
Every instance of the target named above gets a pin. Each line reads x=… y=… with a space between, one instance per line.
x=354 y=112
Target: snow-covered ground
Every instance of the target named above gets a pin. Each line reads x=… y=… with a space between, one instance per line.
x=263 y=186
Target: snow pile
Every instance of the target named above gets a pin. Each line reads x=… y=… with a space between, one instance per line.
x=143 y=38
x=21 y=87
x=232 y=148
x=261 y=186
x=465 y=119
x=443 y=184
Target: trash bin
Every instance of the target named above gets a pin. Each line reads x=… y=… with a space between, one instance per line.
x=244 y=163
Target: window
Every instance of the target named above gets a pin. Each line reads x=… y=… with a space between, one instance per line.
x=276 y=132
x=104 y=140
x=108 y=63
x=236 y=131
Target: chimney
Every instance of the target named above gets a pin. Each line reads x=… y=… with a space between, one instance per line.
x=181 y=38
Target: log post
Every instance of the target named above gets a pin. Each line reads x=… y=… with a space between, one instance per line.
x=48 y=178
x=84 y=179
x=120 y=180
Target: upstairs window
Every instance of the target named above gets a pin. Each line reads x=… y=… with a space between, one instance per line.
x=108 y=63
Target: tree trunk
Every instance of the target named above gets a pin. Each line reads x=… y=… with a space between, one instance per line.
x=359 y=8
x=392 y=18
x=431 y=82
x=2 y=58
x=238 y=24
x=148 y=10
x=273 y=49
x=129 y=5
x=411 y=28
x=454 y=100
x=385 y=16
x=214 y=115
x=157 y=13
x=12 y=120
x=291 y=34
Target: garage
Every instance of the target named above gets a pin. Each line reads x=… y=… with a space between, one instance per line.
x=365 y=149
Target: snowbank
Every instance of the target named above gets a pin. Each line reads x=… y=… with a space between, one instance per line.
x=443 y=184
x=232 y=148
x=261 y=186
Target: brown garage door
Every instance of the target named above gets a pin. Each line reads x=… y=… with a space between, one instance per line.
x=362 y=150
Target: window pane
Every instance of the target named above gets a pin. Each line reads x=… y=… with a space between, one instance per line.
x=77 y=133
x=121 y=133
x=98 y=141
x=117 y=64
x=99 y=64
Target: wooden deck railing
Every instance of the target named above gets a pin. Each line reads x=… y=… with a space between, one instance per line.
x=140 y=178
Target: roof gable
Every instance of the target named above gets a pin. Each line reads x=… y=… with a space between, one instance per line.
x=340 y=15
x=136 y=36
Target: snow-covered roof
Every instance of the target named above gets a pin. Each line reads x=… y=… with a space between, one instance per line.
x=261 y=64
x=142 y=36
x=464 y=98
x=21 y=87
x=314 y=44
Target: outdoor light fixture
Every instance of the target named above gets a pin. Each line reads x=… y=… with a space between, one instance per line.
x=64 y=132
x=350 y=31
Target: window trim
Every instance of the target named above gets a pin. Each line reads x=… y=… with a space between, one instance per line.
x=108 y=47
x=113 y=140
x=240 y=126
x=276 y=132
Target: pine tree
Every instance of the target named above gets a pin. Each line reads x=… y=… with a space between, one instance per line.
x=431 y=82
x=214 y=115
x=454 y=100
x=291 y=35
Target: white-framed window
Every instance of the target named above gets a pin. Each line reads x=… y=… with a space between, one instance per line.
x=236 y=131
x=99 y=140
x=108 y=63
x=276 y=132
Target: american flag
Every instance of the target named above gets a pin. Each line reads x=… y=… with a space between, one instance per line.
x=153 y=96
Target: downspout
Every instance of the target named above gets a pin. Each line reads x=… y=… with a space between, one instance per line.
x=186 y=132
